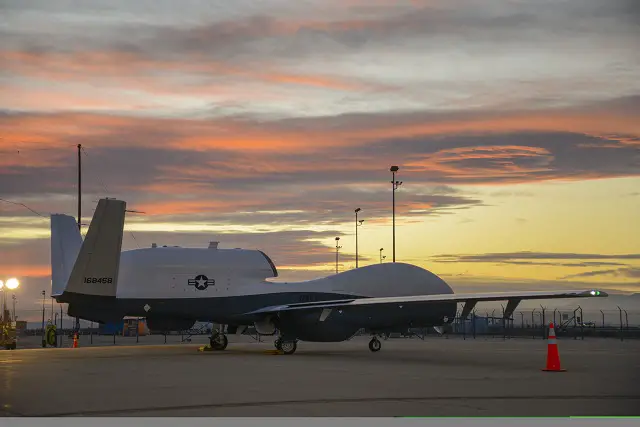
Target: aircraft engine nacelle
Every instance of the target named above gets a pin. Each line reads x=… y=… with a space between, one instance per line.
x=312 y=326
x=169 y=324
x=265 y=326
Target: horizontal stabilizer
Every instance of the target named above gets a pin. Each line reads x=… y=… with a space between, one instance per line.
x=66 y=242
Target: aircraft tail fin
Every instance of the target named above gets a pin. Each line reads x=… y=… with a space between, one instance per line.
x=95 y=271
x=65 y=246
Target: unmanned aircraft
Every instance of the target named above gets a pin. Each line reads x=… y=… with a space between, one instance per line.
x=175 y=287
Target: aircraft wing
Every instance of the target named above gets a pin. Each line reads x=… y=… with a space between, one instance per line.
x=469 y=298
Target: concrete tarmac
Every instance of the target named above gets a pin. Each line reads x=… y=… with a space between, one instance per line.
x=408 y=377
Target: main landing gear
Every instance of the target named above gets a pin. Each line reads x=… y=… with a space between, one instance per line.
x=375 y=344
x=286 y=346
x=218 y=341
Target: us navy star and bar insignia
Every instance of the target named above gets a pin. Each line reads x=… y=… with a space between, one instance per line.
x=201 y=282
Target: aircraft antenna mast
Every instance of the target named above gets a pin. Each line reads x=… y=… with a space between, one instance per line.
x=77 y=326
x=79 y=185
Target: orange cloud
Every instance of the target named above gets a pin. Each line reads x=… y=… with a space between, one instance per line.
x=158 y=76
x=26 y=270
x=500 y=160
x=64 y=98
x=229 y=134
x=181 y=207
x=596 y=122
x=49 y=137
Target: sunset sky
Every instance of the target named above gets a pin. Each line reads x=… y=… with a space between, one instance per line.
x=515 y=123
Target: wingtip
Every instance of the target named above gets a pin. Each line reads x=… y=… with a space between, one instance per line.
x=596 y=293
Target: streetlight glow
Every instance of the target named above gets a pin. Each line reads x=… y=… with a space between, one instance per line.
x=12 y=283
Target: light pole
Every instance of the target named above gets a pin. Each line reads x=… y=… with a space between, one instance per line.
x=44 y=342
x=2 y=319
x=394 y=185
x=358 y=223
x=337 y=249
x=382 y=257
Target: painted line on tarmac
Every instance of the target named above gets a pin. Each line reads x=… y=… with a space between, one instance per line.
x=338 y=400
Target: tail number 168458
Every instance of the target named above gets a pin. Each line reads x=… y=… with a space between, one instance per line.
x=98 y=280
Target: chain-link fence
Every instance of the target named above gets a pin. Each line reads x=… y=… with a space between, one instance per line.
x=534 y=323
x=574 y=323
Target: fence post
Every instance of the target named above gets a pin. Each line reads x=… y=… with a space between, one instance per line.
x=626 y=317
x=474 y=325
x=621 y=330
x=464 y=328
x=533 y=329
x=522 y=321
x=581 y=323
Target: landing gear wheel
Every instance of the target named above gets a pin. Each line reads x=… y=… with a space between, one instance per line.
x=375 y=345
x=288 y=347
x=278 y=343
x=218 y=341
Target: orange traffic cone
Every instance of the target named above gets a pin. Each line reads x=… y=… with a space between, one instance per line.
x=75 y=340
x=553 y=358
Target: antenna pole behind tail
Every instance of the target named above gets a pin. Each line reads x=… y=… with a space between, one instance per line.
x=77 y=326
x=79 y=186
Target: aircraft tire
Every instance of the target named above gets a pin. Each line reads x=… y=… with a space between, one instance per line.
x=375 y=345
x=219 y=342
x=288 y=347
x=278 y=343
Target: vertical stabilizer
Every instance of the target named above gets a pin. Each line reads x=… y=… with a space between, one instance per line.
x=65 y=246
x=96 y=269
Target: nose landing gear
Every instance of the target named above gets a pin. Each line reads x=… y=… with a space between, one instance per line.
x=375 y=344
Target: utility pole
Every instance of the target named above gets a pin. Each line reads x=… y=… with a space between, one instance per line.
x=14 y=307
x=3 y=318
x=77 y=326
x=358 y=223
x=79 y=186
x=337 y=249
x=394 y=185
